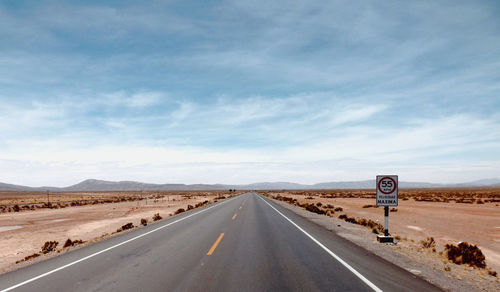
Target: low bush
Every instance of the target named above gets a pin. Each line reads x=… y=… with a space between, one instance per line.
x=129 y=225
x=465 y=253
x=49 y=246
x=70 y=242
x=339 y=209
x=190 y=207
x=428 y=243
x=144 y=221
x=201 y=204
x=393 y=210
x=314 y=209
x=179 y=211
x=27 y=258
x=157 y=217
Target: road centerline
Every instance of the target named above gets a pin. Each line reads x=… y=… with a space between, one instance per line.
x=216 y=243
x=340 y=260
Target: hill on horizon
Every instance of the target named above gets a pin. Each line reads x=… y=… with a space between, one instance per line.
x=102 y=185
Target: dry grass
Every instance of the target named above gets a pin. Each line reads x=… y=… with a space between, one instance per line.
x=70 y=242
x=49 y=246
x=465 y=253
x=428 y=243
x=446 y=195
x=127 y=226
x=16 y=201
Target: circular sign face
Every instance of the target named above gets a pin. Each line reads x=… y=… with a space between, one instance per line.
x=387 y=185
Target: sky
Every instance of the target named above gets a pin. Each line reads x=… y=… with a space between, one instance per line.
x=239 y=92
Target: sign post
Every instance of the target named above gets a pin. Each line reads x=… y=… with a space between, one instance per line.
x=387 y=195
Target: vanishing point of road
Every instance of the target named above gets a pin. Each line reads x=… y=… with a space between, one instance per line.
x=246 y=243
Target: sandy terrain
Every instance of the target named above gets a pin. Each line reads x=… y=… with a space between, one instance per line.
x=415 y=220
x=23 y=233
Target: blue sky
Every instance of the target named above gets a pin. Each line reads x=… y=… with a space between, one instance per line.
x=248 y=91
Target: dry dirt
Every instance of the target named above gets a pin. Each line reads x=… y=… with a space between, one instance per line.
x=23 y=233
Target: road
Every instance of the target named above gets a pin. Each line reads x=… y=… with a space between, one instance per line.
x=247 y=243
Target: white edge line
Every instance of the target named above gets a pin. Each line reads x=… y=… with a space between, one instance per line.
x=361 y=277
x=109 y=248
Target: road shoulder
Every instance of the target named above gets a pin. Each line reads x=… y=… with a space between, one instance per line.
x=364 y=238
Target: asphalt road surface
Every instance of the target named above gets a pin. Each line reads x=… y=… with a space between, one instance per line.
x=247 y=243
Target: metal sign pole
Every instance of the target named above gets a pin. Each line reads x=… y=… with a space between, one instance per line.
x=386 y=213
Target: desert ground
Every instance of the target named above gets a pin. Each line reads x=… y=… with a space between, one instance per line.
x=449 y=216
x=28 y=219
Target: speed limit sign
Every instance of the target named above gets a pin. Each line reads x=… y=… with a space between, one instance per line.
x=387 y=190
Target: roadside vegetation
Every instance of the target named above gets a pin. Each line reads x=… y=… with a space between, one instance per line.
x=463 y=253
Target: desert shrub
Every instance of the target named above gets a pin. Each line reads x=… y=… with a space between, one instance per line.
x=179 y=211
x=339 y=209
x=447 y=268
x=27 y=258
x=492 y=273
x=329 y=206
x=343 y=216
x=17 y=208
x=393 y=210
x=201 y=204
x=369 y=223
x=479 y=201
x=465 y=253
x=129 y=225
x=190 y=207
x=351 y=220
x=144 y=221
x=49 y=246
x=428 y=243
x=318 y=204
x=157 y=217
x=70 y=242
x=374 y=230
x=367 y=206
x=310 y=198
x=314 y=209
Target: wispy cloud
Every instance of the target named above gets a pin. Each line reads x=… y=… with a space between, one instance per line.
x=248 y=91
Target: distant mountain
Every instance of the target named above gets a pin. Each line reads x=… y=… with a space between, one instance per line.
x=9 y=187
x=102 y=185
x=482 y=182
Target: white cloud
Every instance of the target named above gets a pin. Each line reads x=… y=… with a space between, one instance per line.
x=135 y=100
x=356 y=112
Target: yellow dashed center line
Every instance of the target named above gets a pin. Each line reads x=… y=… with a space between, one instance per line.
x=215 y=244
x=234 y=216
